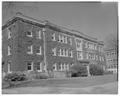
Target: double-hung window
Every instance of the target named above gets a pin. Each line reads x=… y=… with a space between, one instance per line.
x=9 y=50
x=38 y=34
x=70 y=40
x=9 y=33
x=55 y=67
x=30 y=66
x=30 y=50
x=71 y=53
x=53 y=37
x=39 y=66
x=39 y=50
x=54 y=51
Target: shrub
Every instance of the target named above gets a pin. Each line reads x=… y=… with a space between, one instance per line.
x=11 y=78
x=96 y=69
x=15 y=77
x=78 y=70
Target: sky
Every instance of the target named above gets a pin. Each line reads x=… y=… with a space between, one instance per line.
x=98 y=20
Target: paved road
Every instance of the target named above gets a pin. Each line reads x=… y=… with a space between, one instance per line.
x=109 y=88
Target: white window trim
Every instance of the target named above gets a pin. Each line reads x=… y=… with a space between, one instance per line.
x=39 y=34
x=40 y=50
x=70 y=40
x=31 y=67
x=40 y=67
x=9 y=67
x=31 y=50
x=71 y=52
x=29 y=35
x=61 y=67
x=60 y=52
x=54 y=51
x=55 y=65
x=53 y=37
x=79 y=54
x=9 y=33
x=9 y=50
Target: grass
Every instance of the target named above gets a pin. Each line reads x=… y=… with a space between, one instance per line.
x=85 y=85
x=72 y=82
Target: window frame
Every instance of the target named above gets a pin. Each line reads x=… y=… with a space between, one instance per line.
x=40 y=66
x=28 y=34
x=31 y=49
x=9 y=50
x=40 y=51
x=30 y=66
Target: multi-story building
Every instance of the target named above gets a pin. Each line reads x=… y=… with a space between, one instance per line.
x=32 y=45
x=111 y=60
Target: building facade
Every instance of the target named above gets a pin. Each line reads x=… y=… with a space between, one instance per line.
x=111 y=60
x=31 y=45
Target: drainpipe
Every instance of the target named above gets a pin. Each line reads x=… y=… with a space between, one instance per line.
x=44 y=43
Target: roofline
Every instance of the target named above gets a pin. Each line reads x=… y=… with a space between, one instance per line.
x=20 y=16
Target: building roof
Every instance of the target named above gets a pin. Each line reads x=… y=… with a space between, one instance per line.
x=39 y=22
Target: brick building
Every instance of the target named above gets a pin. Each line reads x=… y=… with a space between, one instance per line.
x=111 y=60
x=33 y=45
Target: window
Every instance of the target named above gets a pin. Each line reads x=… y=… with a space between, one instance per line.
x=95 y=46
x=71 y=64
x=63 y=52
x=66 y=52
x=61 y=67
x=30 y=66
x=78 y=44
x=9 y=33
x=86 y=45
x=87 y=55
x=38 y=34
x=60 y=38
x=70 y=41
x=29 y=33
x=67 y=66
x=55 y=67
x=102 y=58
x=71 y=54
x=79 y=55
x=9 y=66
x=59 y=52
x=39 y=66
x=53 y=37
x=66 y=39
x=54 y=51
x=39 y=51
x=9 y=50
x=30 y=50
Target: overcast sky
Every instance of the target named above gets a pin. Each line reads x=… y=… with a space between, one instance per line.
x=95 y=19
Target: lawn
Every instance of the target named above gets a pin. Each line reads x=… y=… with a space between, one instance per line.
x=84 y=85
x=72 y=82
